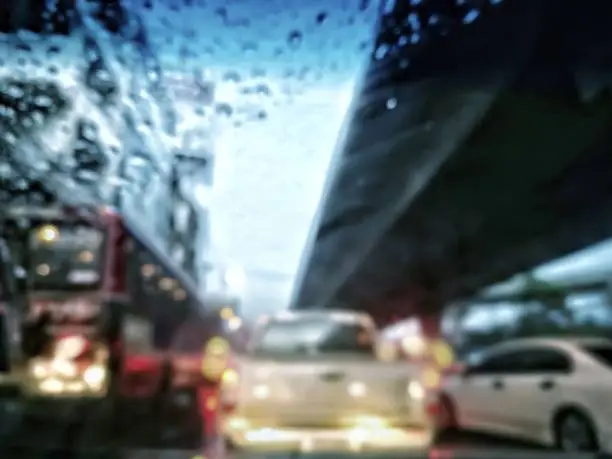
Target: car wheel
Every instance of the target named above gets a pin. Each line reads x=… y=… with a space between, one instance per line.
x=574 y=432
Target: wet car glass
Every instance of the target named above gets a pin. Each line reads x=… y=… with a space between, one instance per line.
x=313 y=337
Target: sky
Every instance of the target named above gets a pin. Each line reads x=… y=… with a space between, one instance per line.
x=284 y=73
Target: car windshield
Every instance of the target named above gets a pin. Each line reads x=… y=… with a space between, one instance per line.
x=304 y=337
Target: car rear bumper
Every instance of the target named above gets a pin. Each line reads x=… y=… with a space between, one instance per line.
x=279 y=438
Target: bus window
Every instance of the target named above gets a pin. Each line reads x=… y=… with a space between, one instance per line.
x=65 y=256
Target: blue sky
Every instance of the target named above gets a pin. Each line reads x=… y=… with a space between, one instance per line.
x=328 y=39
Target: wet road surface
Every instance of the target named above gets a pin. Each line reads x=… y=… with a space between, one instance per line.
x=449 y=446
x=466 y=440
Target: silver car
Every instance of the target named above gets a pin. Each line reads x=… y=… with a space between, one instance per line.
x=316 y=381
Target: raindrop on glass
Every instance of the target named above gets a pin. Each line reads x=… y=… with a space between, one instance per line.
x=471 y=16
x=381 y=51
x=295 y=38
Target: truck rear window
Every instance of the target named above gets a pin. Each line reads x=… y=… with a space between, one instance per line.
x=314 y=337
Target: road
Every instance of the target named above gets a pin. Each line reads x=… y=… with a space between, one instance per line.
x=456 y=446
x=462 y=441
x=467 y=447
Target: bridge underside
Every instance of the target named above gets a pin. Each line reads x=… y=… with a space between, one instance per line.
x=495 y=155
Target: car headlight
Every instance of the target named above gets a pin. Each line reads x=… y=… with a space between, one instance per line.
x=94 y=376
x=416 y=391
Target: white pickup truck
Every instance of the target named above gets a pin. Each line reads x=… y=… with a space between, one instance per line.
x=316 y=381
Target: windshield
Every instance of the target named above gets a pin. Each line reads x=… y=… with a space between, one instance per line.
x=313 y=337
x=441 y=167
x=65 y=257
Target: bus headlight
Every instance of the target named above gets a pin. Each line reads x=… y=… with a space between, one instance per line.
x=52 y=386
x=64 y=368
x=39 y=370
x=94 y=376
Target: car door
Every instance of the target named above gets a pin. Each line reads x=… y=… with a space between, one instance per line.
x=535 y=390
x=474 y=392
x=491 y=398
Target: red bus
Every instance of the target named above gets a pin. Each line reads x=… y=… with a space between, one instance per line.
x=103 y=306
